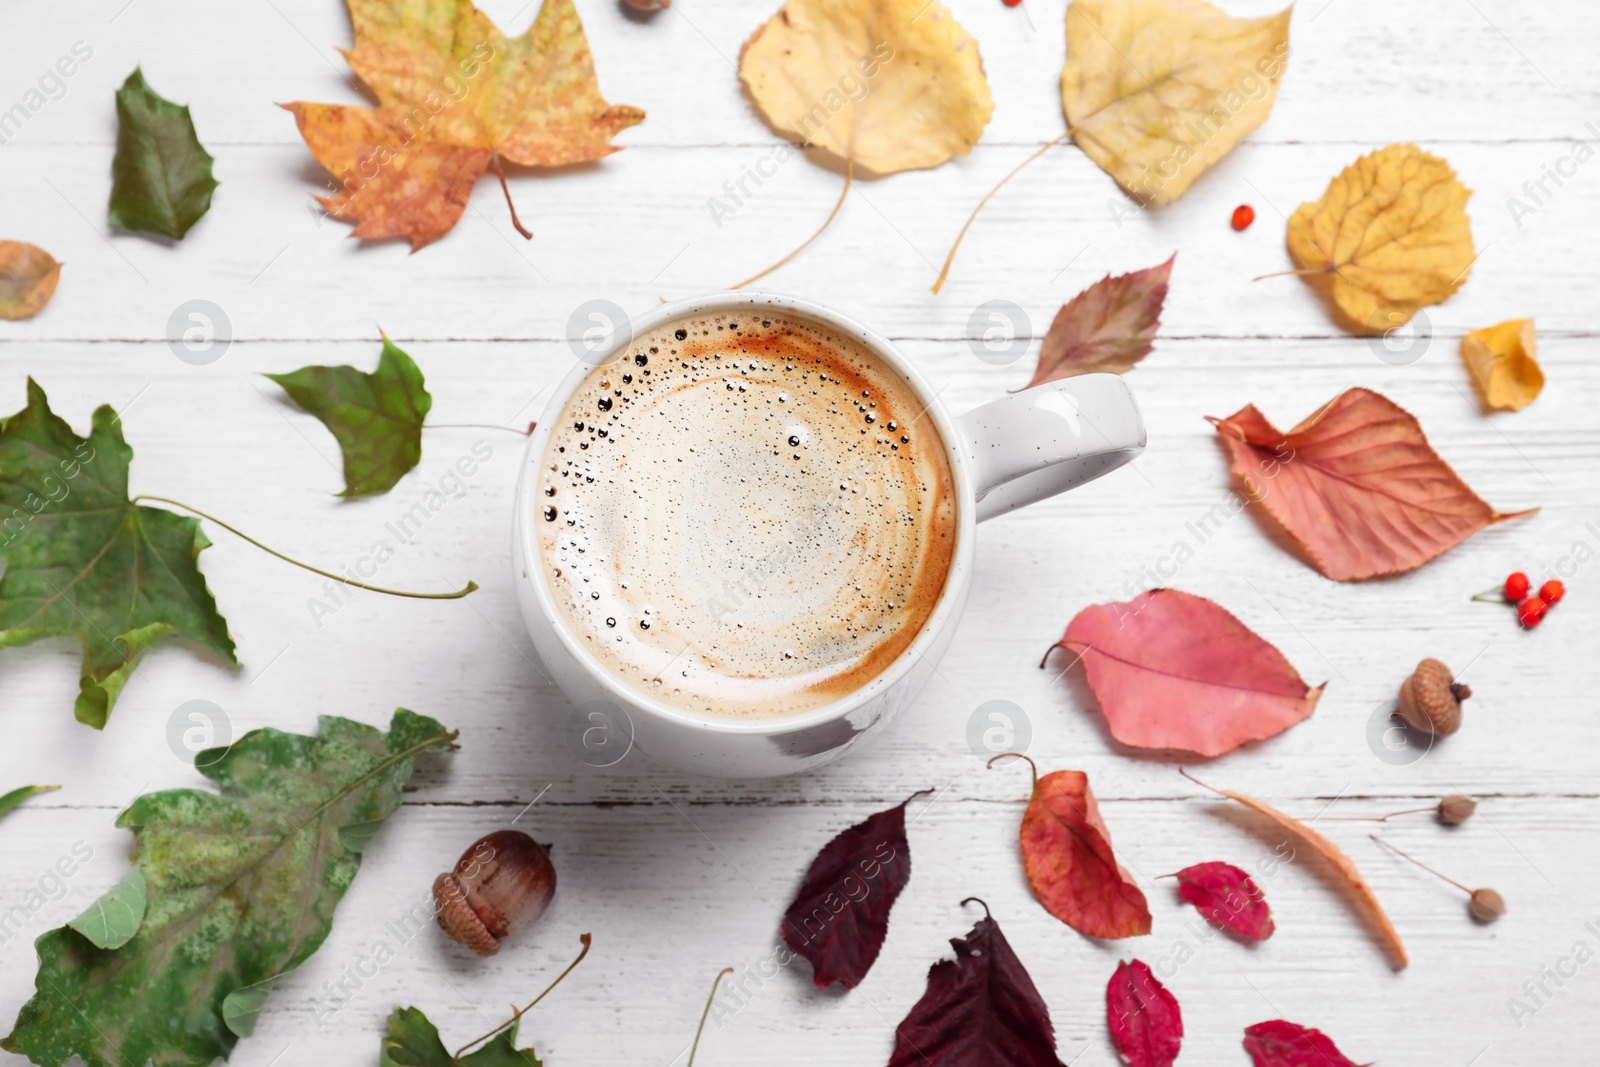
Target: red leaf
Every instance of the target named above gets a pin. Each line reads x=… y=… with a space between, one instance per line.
x=1228 y=898
x=1145 y=1022
x=1285 y=1044
x=980 y=1010
x=1174 y=670
x=1066 y=851
x=840 y=916
x=1109 y=326
x=1357 y=485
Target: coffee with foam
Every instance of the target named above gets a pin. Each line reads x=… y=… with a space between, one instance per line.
x=746 y=514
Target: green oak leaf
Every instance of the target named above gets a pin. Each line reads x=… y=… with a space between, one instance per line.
x=413 y=1041
x=377 y=418
x=240 y=888
x=11 y=800
x=82 y=560
x=160 y=178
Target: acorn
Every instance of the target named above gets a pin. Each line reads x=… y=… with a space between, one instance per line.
x=1456 y=809
x=648 y=5
x=499 y=887
x=1486 y=905
x=1430 y=699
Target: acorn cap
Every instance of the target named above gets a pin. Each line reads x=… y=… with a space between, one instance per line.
x=1430 y=699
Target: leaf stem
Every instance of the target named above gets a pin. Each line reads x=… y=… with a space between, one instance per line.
x=913 y=796
x=501 y=174
x=458 y=594
x=517 y=1015
x=1032 y=766
x=1302 y=272
x=704 y=1014
x=1201 y=784
x=987 y=914
x=1419 y=863
x=849 y=175
x=944 y=272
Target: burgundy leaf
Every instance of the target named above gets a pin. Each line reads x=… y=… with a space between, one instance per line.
x=980 y=1010
x=1145 y=1022
x=1108 y=327
x=1285 y=1044
x=840 y=916
x=1228 y=897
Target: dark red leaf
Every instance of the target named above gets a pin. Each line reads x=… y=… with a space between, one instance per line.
x=1228 y=898
x=1285 y=1044
x=1145 y=1022
x=980 y=1010
x=840 y=916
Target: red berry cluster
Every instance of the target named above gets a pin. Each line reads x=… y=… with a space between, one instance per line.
x=1531 y=609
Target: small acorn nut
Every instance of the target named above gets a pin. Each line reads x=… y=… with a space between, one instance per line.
x=1430 y=699
x=499 y=887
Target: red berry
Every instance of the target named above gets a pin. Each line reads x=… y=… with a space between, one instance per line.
x=1011 y=3
x=1531 y=612
x=1552 y=591
x=1517 y=586
x=1243 y=216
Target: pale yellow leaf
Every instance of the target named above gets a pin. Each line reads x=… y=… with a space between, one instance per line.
x=1157 y=91
x=896 y=84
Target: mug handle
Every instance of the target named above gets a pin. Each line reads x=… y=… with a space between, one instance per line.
x=1051 y=438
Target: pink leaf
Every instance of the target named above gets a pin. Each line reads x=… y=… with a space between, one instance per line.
x=1285 y=1044
x=1174 y=670
x=1228 y=898
x=1145 y=1022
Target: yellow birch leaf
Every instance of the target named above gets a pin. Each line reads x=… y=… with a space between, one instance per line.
x=1504 y=362
x=1157 y=91
x=895 y=84
x=1390 y=235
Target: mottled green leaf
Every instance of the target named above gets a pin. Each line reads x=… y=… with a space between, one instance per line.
x=413 y=1041
x=161 y=178
x=9 y=802
x=111 y=921
x=377 y=418
x=241 y=886
x=82 y=560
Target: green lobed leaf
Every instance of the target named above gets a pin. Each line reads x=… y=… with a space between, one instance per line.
x=82 y=560
x=11 y=800
x=413 y=1041
x=241 y=886
x=377 y=418
x=160 y=178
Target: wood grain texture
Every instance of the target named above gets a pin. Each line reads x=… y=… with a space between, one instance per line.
x=678 y=876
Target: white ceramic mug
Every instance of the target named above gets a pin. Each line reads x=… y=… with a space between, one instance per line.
x=1010 y=452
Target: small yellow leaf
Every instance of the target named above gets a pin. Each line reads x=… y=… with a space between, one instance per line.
x=1157 y=91
x=897 y=84
x=1390 y=235
x=28 y=277
x=1504 y=362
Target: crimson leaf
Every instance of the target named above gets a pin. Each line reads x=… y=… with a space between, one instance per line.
x=1228 y=898
x=1145 y=1022
x=1284 y=1044
x=841 y=915
x=980 y=1010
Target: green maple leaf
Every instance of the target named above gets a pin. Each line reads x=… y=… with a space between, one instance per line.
x=413 y=1041
x=160 y=178
x=13 y=799
x=237 y=888
x=78 y=558
x=377 y=418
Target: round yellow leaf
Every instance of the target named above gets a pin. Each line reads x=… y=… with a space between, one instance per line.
x=1390 y=235
x=897 y=84
x=28 y=277
x=1504 y=362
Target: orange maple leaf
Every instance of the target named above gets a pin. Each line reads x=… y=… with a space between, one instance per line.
x=454 y=94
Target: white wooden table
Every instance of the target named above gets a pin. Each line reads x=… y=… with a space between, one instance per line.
x=678 y=876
